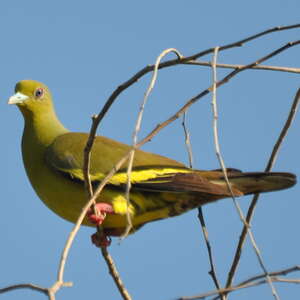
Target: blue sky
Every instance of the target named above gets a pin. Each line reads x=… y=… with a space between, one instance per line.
x=83 y=51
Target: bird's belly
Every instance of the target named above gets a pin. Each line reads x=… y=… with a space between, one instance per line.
x=66 y=198
x=61 y=195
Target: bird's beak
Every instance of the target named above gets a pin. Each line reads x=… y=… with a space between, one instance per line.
x=17 y=98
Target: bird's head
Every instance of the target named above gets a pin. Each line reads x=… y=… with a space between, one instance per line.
x=31 y=97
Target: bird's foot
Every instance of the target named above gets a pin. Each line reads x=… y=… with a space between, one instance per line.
x=100 y=240
x=103 y=209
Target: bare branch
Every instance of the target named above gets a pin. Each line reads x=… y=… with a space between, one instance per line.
x=194 y=99
x=142 y=142
x=187 y=141
x=215 y=117
x=24 y=286
x=97 y=119
x=239 y=287
x=177 y=61
x=212 y=271
x=222 y=164
x=268 y=168
x=284 y=131
x=234 y=66
x=275 y=273
x=251 y=282
x=137 y=129
x=115 y=275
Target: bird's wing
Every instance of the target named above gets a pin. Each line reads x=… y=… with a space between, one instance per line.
x=150 y=172
x=65 y=155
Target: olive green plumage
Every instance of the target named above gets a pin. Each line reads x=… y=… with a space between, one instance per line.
x=161 y=187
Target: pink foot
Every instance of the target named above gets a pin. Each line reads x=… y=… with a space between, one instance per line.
x=103 y=209
x=100 y=240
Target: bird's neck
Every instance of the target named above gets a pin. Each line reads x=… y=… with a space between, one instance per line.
x=41 y=129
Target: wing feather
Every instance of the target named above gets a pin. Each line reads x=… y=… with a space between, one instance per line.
x=65 y=155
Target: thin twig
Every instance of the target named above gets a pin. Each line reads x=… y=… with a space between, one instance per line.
x=187 y=141
x=252 y=281
x=284 y=131
x=275 y=273
x=268 y=168
x=222 y=164
x=137 y=129
x=24 y=286
x=200 y=212
x=239 y=287
x=234 y=66
x=212 y=271
x=50 y=292
x=221 y=82
x=114 y=273
x=177 y=61
x=87 y=162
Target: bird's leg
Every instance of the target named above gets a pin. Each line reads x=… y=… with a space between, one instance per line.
x=100 y=239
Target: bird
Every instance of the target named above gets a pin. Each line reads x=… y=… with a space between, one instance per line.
x=160 y=187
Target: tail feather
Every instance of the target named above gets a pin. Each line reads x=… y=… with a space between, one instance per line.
x=260 y=182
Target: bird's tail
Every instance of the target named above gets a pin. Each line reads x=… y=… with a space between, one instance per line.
x=259 y=182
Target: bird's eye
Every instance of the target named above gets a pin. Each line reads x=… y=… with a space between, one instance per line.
x=39 y=92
